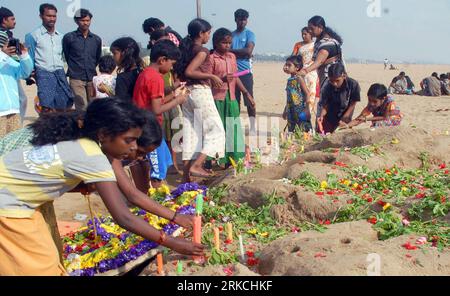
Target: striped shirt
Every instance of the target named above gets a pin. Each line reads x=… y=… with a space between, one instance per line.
x=32 y=176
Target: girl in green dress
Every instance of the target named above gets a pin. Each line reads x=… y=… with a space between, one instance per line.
x=224 y=65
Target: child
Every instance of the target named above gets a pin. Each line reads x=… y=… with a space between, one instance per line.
x=339 y=97
x=149 y=95
x=297 y=110
x=195 y=67
x=224 y=65
x=34 y=175
x=105 y=83
x=129 y=64
x=382 y=108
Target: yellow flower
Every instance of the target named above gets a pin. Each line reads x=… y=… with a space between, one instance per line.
x=152 y=191
x=164 y=190
x=355 y=185
x=233 y=163
x=324 y=185
x=252 y=231
x=264 y=234
x=404 y=189
x=395 y=141
x=386 y=206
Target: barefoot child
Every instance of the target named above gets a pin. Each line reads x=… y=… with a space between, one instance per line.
x=297 y=110
x=199 y=109
x=382 y=108
x=149 y=95
x=224 y=65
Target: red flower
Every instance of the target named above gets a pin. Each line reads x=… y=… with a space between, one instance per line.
x=220 y=228
x=79 y=248
x=350 y=201
x=212 y=220
x=443 y=199
x=381 y=203
x=252 y=261
x=372 y=220
x=228 y=241
x=442 y=166
x=403 y=182
x=341 y=164
x=327 y=222
x=319 y=193
x=228 y=271
x=330 y=192
x=386 y=191
x=446 y=172
x=295 y=229
x=408 y=246
x=408 y=256
x=320 y=255
x=250 y=254
x=420 y=195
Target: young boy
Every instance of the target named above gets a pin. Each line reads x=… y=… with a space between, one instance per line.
x=10 y=73
x=149 y=95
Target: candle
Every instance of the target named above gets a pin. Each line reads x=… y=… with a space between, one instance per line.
x=197 y=235
x=216 y=238
x=179 y=267
x=159 y=263
x=241 y=247
x=230 y=232
x=199 y=204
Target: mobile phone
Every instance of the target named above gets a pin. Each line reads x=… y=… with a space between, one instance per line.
x=13 y=42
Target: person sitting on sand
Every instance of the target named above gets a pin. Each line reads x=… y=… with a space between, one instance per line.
x=431 y=86
x=339 y=98
x=401 y=85
x=392 y=67
x=445 y=84
x=382 y=108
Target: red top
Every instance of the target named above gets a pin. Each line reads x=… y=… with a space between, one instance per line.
x=221 y=66
x=149 y=86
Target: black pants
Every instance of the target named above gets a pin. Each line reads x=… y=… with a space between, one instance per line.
x=247 y=81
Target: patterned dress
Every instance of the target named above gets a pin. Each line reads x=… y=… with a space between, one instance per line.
x=389 y=108
x=296 y=106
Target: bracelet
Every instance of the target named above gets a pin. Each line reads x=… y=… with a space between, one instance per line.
x=174 y=216
x=162 y=237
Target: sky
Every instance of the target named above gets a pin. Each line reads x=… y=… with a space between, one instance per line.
x=412 y=31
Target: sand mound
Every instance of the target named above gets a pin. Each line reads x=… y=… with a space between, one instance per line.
x=398 y=146
x=350 y=249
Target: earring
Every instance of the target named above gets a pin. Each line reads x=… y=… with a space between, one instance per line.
x=100 y=144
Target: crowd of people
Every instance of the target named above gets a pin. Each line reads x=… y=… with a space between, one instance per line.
x=98 y=114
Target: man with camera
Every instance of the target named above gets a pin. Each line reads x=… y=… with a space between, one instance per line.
x=7 y=24
x=10 y=73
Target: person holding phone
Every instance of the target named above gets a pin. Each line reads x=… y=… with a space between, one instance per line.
x=7 y=24
x=10 y=73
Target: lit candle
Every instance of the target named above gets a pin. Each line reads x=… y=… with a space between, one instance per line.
x=230 y=232
x=216 y=238
x=199 y=204
x=160 y=263
x=197 y=235
x=241 y=247
x=179 y=267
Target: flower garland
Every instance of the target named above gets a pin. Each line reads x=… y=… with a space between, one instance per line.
x=85 y=255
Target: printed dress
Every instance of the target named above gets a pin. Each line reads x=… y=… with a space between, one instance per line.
x=389 y=107
x=296 y=106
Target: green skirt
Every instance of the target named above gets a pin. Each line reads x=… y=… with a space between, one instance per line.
x=234 y=143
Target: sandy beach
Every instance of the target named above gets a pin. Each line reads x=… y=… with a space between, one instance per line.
x=270 y=97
